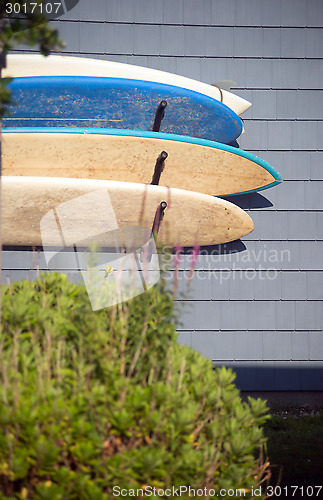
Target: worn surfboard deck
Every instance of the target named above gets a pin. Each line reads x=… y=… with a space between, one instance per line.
x=81 y=209
x=74 y=101
x=106 y=154
x=19 y=65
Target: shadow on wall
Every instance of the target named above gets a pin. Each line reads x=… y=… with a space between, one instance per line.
x=234 y=144
x=250 y=200
x=223 y=249
x=266 y=376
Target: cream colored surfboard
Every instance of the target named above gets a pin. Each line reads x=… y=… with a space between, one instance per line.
x=36 y=65
x=68 y=211
x=122 y=155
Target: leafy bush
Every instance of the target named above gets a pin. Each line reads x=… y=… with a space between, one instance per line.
x=94 y=400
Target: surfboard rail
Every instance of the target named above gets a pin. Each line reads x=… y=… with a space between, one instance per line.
x=19 y=65
x=190 y=163
x=118 y=103
x=189 y=218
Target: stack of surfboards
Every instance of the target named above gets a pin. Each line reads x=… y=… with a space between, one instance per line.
x=149 y=138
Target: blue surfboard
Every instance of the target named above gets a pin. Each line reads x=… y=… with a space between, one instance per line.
x=74 y=101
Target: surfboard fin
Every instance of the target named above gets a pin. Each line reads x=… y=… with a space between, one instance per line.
x=224 y=84
x=159 y=215
x=146 y=251
x=160 y=113
x=159 y=167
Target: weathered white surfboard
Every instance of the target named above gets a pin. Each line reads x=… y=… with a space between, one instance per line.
x=70 y=211
x=125 y=155
x=19 y=65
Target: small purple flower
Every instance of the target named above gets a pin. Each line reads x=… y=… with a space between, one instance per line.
x=194 y=256
x=178 y=256
x=177 y=262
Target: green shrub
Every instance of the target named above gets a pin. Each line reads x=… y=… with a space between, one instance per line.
x=94 y=400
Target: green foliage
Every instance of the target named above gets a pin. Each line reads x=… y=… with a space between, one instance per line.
x=5 y=96
x=92 y=400
x=295 y=448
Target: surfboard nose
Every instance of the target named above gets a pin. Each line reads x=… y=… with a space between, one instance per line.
x=241 y=223
x=247 y=224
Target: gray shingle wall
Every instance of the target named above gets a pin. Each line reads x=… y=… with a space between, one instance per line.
x=258 y=309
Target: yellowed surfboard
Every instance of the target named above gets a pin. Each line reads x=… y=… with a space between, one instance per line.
x=68 y=211
x=124 y=155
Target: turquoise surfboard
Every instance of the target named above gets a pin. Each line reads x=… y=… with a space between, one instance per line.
x=119 y=103
x=127 y=155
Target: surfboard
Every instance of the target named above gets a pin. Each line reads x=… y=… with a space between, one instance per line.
x=19 y=65
x=123 y=155
x=75 y=101
x=83 y=208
